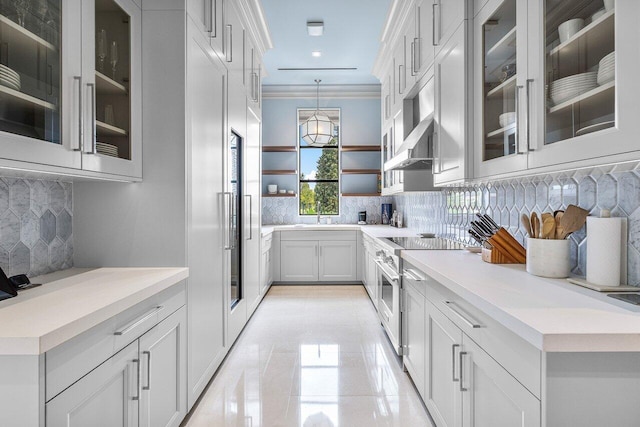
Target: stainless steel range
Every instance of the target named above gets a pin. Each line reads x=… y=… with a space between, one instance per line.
x=390 y=272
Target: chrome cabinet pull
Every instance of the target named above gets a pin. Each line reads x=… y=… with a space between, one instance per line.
x=79 y=139
x=250 y=216
x=229 y=43
x=131 y=326
x=92 y=148
x=436 y=131
x=517 y=133
x=462 y=387
x=433 y=22
x=529 y=81
x=413 y=57
x=148 y=386
x=400 y=79
x=137 y=396
x=453 y=363
x=450 y=305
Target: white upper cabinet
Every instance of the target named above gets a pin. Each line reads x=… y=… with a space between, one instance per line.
x=234 y=47
x=447 y=17
x=450 y=162
x=208 y=16
x=80 y=110
x=425 y=36
x=570 y=86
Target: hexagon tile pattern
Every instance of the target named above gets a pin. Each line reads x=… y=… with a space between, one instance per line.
x=35 y=222
x=614 y=187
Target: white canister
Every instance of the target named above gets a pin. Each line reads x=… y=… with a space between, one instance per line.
x=548 y=258
x=272 y=188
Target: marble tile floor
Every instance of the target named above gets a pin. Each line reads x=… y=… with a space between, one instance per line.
x=311 y=356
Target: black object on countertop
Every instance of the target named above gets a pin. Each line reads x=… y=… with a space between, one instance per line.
x=630 y=298
x=22 y=282
x=6 y=288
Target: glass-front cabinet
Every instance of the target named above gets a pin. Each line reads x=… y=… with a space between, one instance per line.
x=69 y=93
x=555 y=84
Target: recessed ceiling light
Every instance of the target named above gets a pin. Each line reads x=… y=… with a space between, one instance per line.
x=315 y=28
x=316 y=54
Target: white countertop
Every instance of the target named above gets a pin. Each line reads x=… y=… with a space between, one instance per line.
x=41 y=318
x=371 y=230
x=553 y=315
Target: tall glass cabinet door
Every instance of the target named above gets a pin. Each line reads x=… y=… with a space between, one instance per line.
x=587 y=74
x=112 y=88
x=500 y=76
x=39 y=86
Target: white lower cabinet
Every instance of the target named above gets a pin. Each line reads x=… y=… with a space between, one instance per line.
x=491 y=396
x=163 y=373
x=318 y=256
x=107 y=396
x=299 y=261
x=266 y=269
x=414 y=336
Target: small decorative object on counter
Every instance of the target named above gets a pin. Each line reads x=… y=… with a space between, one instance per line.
x=386 y=213
x=362 y=217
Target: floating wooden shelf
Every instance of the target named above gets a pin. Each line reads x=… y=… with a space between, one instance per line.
x=279 y=172
x=21 y=36
x=593 y=95
x=109 y=130
x=22 y=99
x=279 y=195
x=107 y=86
x=349 y=148
x=511 y=81
x=360 y=171
x=361 y=194
x=278 y=149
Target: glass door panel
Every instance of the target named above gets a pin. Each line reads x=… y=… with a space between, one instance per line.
x=112 y=80
x=579 y=68
x=30 y=68
x=235 y=187
x=499 y=131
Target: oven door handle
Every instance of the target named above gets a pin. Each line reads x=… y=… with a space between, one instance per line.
x=385 y=270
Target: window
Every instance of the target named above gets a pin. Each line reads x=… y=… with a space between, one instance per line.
x=319 y=169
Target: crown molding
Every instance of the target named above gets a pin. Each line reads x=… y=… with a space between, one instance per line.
x=253 y=16
x=326 y=91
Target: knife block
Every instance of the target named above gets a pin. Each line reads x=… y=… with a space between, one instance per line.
x=505 y=249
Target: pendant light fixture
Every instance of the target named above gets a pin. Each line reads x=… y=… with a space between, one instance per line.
x=317 y=131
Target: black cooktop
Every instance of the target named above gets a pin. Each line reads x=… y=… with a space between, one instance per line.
x=423 y=243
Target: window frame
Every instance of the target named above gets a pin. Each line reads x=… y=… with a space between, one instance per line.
x=337 y=147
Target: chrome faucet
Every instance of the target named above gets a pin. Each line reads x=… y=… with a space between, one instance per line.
x=318 y=213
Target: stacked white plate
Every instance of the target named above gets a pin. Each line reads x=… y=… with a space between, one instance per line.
x=107 y=149
x=607 y=69
x=566 y=88
x=9 y=78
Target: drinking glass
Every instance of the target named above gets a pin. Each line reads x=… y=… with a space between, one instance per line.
x=114 y=58
x=101 y=48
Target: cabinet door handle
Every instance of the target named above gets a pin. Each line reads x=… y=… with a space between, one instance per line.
x=413 y=57
x=453 y=363
x=436 y=128
x=529 y=81
x=78 y=147
x=131 y=326
x=148 y=386
x=92 y=147
x=462 y=387
x=450 y=305
x=137 y=396
x=250 y=216
x=433 y=22
x=210 y=16
x=517 y=133
x=229 y=43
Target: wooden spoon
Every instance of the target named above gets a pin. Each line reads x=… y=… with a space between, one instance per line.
x=573 y=219
x=526 y=223
x=549 y=228
x=559 y=229
x=535 y=225
x=545 y=216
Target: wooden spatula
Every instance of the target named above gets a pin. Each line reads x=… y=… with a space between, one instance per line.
x=535 y=225
x=573 y=219
x=559 y=229
x=549 y=228
x=526 y=223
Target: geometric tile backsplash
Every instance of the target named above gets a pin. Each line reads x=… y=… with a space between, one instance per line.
x=616 y=188
x=36 y=219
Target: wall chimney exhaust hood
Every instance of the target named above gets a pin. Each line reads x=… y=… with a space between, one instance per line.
x=416 y=151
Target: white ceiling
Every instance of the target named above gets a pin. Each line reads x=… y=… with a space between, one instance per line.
x=351 y=38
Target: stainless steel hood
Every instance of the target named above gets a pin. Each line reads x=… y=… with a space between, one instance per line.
x=416 y=151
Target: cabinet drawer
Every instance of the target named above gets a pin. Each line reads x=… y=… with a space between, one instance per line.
x=318 y=235
x=70 y=361
x=519 y=358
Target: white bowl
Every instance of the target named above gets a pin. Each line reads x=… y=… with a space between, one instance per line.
x=506 y=119
x=608 y=5
x=272 y=188
x=566 y=30
x=282 y=191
